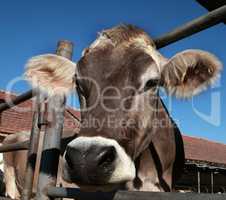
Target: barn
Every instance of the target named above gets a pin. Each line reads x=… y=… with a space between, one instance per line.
x=205 y=166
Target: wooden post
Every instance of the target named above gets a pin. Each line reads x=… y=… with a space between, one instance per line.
x=53 y=132
x=32 y=153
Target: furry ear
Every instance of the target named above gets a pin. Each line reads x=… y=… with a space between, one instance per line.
x=51 y=73
x=190 y=72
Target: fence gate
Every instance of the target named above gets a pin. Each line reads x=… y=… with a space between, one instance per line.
x=49 y=115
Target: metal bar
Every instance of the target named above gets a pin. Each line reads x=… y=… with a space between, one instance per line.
x=58 y=192
x=14 y=147
x=73 y=116
x=32 y=152
x=6 y=198
x=17 y=100
x=198 y=174
x=53 y=132
x=210 y=19
x=18 y=146
x=51 y=146
x=42 y=112
x=212 y=184
x=212 y=5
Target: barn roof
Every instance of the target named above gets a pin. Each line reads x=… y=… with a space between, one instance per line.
x=196 y=149
x=19 y=118
x=204 y=151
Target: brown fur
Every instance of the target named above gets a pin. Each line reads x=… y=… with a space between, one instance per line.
x=190 y=72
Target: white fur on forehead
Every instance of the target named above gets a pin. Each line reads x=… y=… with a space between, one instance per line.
x=101 y=40
x=178 y=67
x=51 y=73
x=140 y=42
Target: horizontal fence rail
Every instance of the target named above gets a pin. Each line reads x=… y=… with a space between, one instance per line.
x=210 y=19
x=17 y=146
x=17 y=100
x=206 y=21
x=14 y=147
x=58 y=192
x=6 y=198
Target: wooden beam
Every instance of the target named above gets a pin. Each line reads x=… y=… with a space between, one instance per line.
x=17 y=100
x=206 y=21
x=212 y=5
x=53 y=131
x=32 y=151
x=14 y=147
x=57 y=192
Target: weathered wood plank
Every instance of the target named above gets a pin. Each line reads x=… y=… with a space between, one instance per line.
x=57 y=192
x=53 y=131
x=206 y=21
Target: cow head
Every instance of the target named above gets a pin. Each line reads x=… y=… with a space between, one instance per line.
x=119 y=76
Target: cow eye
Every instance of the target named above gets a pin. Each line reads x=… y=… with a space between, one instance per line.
x=152 y=83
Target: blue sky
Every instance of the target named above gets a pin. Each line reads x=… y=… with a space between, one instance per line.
x=29 y=28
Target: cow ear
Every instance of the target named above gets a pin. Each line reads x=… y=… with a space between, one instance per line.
x=51 y=73
x=190 y=72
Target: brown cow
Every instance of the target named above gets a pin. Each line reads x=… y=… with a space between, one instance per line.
x=15 y=162
x=127 y=139
x=14 y=165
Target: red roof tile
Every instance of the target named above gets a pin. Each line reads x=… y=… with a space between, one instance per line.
x=204 y=150
x=19 y=118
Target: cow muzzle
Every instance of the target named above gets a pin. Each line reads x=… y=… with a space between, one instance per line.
x=96 y=161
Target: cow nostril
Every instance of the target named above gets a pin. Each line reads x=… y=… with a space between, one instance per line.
x=107 y=156
x=72 y=157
